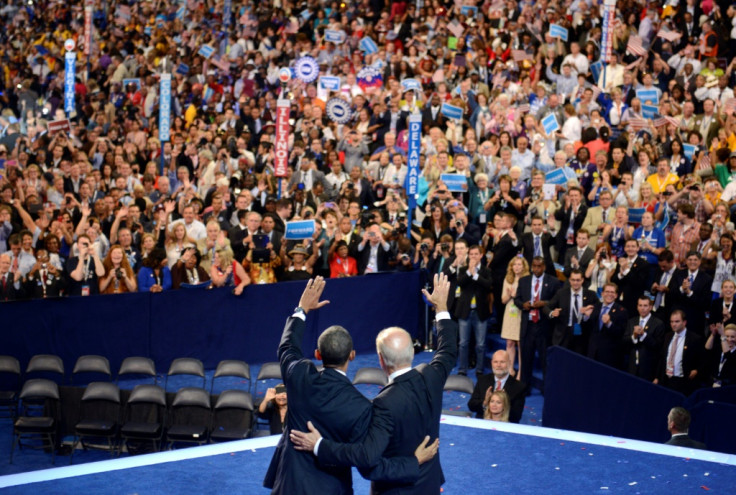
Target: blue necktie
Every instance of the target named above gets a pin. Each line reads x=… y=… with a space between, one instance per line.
x=691 y=280
x=537 y=247
x=604 y=310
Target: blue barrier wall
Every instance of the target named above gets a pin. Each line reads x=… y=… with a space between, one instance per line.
x=210 y=325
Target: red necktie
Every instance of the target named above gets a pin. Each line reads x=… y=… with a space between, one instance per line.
x=498 y=386
x=535 y=298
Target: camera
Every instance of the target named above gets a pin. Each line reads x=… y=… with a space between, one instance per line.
x=404 y=257
x=44 y=265
x=118 y=274
x=458 y=223
x=444 y=246
x=424 y=246
x=351 y=185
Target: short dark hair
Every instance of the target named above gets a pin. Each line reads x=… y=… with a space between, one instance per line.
x=666 y=255
x=680 y=418
x=335 y=346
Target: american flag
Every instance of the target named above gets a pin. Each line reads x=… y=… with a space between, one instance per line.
x=730 y=105
x=660 y=122
x=637 y=123
x=524 y=108
x=673 y=121
x=636 y=46
x=704 y=162
x=520 y=55
x=670 y=36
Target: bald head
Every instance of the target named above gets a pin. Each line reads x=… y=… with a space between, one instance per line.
x=500 y=364
x=395 y=349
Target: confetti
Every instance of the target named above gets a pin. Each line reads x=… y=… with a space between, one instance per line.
x=452 y=444
x=653 y=477
x=684 y=476
x=704 y=487
x=557 y=468
x=706 y=474
x=590 y=453
x=604 y=488
x=562 y=443
x=633 y=482
x=496 y=465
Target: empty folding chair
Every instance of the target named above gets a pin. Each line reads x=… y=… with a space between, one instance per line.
x=459 y=383
x=232 y=416
x=145 y=414
x=370 y=376
x=46 y=366
x=231 y=368
x=99 y=416
x=189 y=417
x=268 y=371
x=92 y=366
x=185 y=366
x=136 y=367
x=39 y=415
x=9 y=385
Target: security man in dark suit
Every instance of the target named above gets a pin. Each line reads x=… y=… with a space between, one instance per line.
x=681 y=357
x=693 y=292
x=326 y=397
x=643 y=340
x=472 y=310
x=571 y=219
x=606 y=327
x=406 y=411
x=631 y=275
x=500 y=379
x=678 y=423
x=537 y=243
x=567 y=309
x=664 y=286
x=531 y=296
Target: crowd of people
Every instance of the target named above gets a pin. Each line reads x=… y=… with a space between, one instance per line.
x=640 y=227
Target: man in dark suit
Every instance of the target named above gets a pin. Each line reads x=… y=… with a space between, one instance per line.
x=326 y=397
x=643 y=340
x=374 y=252
x=571 y=219
x=471 y=309
x=693 y=292
x=631 y=275
x=10 y=286
x=606 y=327
x=432 y=115
x=537 y=243
x=678 y=423
x=664 y=286
x=681 y=357
x=44 y=280
x=242 y=234
x=505 y=246
x=578 y=257
x=531 y=296
x=406 y=411
x=567 y=309
x=500 y=379
x=307 y=175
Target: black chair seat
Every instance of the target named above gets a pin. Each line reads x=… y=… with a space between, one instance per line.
x=8 y=395
x=34 y=423
x=226 y=434
x=187 y=432
x=134 y=429
x=90 y=427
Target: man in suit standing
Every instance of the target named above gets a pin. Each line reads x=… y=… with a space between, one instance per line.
x=678 y=423
x=579 y=256
x=406 y=411
x=631 y=275
x=432 y=115
x=10 y=286
x=537 y=243
x=693 y=292
x=500 y=379
x=567 y=309
x=505 y=246
x=571 y=219
x=598 y=217
x=307 y=175
x=643 y=340
x=472 y=309
x=374 y=252
x=606 y=326
x=681 y=357
x=327 y=397
x=664 y=286
x=531 y=296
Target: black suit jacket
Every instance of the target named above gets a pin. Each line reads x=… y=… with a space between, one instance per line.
x=550 y=285
x=332 y=404
x=727 y=374
x=563 y=215
x=503 y=252
x=692 y=356
x=428 y=122
x=631 y=285
x=685 y=441
x=546 y=242
x=515 y=389
x=471 y=234
x=383 y=257
x=643 y=355
x=670 y=298
x=33 y=286
x=563 y=333
x=716 y=312
x=694 y=305
x=469 y=289
x=604 y=344
x=583 y=261
x=403 y=413
x=9 y=292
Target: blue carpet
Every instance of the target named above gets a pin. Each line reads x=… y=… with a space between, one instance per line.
x=475 y=460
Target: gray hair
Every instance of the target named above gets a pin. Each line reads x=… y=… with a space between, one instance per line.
x=395 y=345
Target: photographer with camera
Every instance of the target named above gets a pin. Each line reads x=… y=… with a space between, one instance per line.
x=119 y=276
x=461 y=229
x=85 y=269
x=374 y=253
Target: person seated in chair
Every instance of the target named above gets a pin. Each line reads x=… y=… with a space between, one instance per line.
x=678 y=422
x=273 y=408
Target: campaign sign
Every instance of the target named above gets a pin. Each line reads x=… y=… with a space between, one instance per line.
x=164 y=108
x=69 y=66
x=409 y=84
x=688 y=150
x=557 y=31
x=596 y=68
x=299 y=229
x=646 y=95
x=330 y=83
x=635 y=214
x=183 y=69
x=62 y=125
x=415 y=142
x=469 y=11
x=206 y=51
x=334 y=36
x=338 y=110
x=556 y=177
x=306 y=69
x=368 y=45
x=649 y=111
x=550 y=124
x=136 y=82
x=281 y=142
x=227 y=12
x=455 y=182
x=451 y=111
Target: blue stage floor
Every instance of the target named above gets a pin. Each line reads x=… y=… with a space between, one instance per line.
x=478 y=457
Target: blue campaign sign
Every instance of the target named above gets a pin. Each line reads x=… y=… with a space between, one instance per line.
x=136 y=82
x=649 y=111
x=227 y=12
x=331 y=83
x=70 y=59
x=183 y=69
x=596 y=68
x=415 y=143
x=164 y=108
x=455 y=182
x=635 y=214
x=550 y=124
x=206 y=51
x=334 y=36
x=409 y=84
x=451 y=111
x=556 y=177
x=557 y=31
x=368 y=45
x=299 y=229
x=646 y=95
x=469 y=11
x=689 y=150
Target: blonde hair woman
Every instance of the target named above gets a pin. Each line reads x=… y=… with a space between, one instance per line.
x=511 y=327
x=496 y=406
x=176 y=242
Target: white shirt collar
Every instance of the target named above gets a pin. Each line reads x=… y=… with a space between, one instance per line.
x=397 y=373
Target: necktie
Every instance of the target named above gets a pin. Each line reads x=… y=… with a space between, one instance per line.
x=641 y=323
x=671 y=357
x=498 y=386
x=604 y=214
x=604 y=310
x=690 y=280
x=537 y=247
x=5 y=281
x=575 y=309
x=535 y=298
x=659 y=300
x=15 y=264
